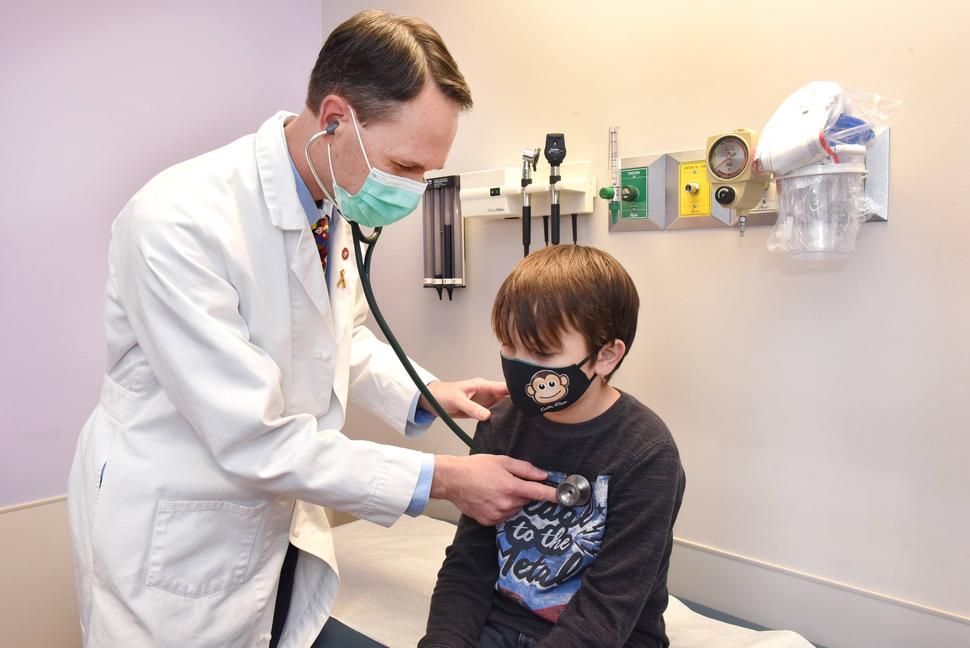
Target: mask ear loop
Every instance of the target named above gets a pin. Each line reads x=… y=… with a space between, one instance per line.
x=592 y=358
x=353 y=116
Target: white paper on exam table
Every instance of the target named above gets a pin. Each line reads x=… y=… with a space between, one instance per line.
x=387 y=576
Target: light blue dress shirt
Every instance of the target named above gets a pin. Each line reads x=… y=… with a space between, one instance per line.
x=418 y=419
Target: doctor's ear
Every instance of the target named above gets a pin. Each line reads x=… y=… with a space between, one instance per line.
x=333 y=110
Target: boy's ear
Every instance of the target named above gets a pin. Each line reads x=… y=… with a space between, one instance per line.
x=608 y=357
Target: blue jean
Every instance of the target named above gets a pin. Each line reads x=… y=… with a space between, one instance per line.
x=496 y=635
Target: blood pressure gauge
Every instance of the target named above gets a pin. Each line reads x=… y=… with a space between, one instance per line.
x=736 y=183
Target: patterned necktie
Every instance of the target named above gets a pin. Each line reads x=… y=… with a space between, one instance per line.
x=321 y=233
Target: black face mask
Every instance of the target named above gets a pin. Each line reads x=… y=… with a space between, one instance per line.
x=536 y=390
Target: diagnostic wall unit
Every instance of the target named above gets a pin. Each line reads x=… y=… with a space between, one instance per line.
x=497 y=193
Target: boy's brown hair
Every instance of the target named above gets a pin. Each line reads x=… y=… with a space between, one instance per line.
x=562 y=286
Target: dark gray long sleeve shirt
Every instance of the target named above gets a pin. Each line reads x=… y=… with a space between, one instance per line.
x=587 y=576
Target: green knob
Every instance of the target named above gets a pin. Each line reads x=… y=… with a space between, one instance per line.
x=607 y=193
x=629 y=194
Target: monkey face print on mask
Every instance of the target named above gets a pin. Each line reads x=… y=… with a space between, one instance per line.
x=548 y=387
x=535 y=389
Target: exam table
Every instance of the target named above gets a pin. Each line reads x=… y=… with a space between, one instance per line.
x=387 y=576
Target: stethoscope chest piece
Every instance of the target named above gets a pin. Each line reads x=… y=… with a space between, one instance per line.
x=575 y=490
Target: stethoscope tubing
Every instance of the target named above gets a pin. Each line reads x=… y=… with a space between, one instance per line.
x=363 y=269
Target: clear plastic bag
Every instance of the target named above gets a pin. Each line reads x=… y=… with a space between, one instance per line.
x=863 y=115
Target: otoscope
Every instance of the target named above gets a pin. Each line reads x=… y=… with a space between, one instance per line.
x=530 y=158
x=555 y=153
x=575 y=490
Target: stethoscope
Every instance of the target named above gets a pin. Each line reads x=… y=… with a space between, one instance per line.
x=574 y=490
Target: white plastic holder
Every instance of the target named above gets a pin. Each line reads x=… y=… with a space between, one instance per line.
x=497 y=193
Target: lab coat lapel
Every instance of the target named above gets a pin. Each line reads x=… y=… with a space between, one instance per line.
x=287 y=213
x=306 y=267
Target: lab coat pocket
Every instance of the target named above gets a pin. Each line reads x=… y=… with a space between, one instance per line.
x=202 y=547
x=100 y=432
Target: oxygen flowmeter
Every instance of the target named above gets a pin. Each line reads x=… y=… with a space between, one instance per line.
x=616 y=192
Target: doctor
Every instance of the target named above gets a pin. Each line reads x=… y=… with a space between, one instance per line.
x=234 y=321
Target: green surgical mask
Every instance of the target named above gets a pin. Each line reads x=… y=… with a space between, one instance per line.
x=383 y=199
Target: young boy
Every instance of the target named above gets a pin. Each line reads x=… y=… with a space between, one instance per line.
x=587 y=576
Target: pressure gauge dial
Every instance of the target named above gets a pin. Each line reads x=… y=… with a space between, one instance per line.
x=729 y=157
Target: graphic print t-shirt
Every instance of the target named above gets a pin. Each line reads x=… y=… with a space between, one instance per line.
x=543 y=551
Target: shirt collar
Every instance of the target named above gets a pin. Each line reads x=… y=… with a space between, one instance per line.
x=303 y=192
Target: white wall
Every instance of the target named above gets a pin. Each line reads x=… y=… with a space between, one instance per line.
x=822 y=412
x=95 y=99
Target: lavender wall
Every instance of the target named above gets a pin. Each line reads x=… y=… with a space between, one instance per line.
x=95 y=98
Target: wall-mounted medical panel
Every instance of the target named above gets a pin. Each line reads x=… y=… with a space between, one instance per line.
x=689 y=204
x=765 y=212
x=642 y=201
x=877 y=176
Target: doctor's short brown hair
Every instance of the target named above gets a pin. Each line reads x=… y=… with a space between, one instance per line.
x=376 y=60
x=562 y=286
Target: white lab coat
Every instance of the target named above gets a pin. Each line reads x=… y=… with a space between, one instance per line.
x=218 y=427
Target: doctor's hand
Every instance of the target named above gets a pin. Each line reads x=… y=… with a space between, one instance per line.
x=488 y=488
x=466 y=398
